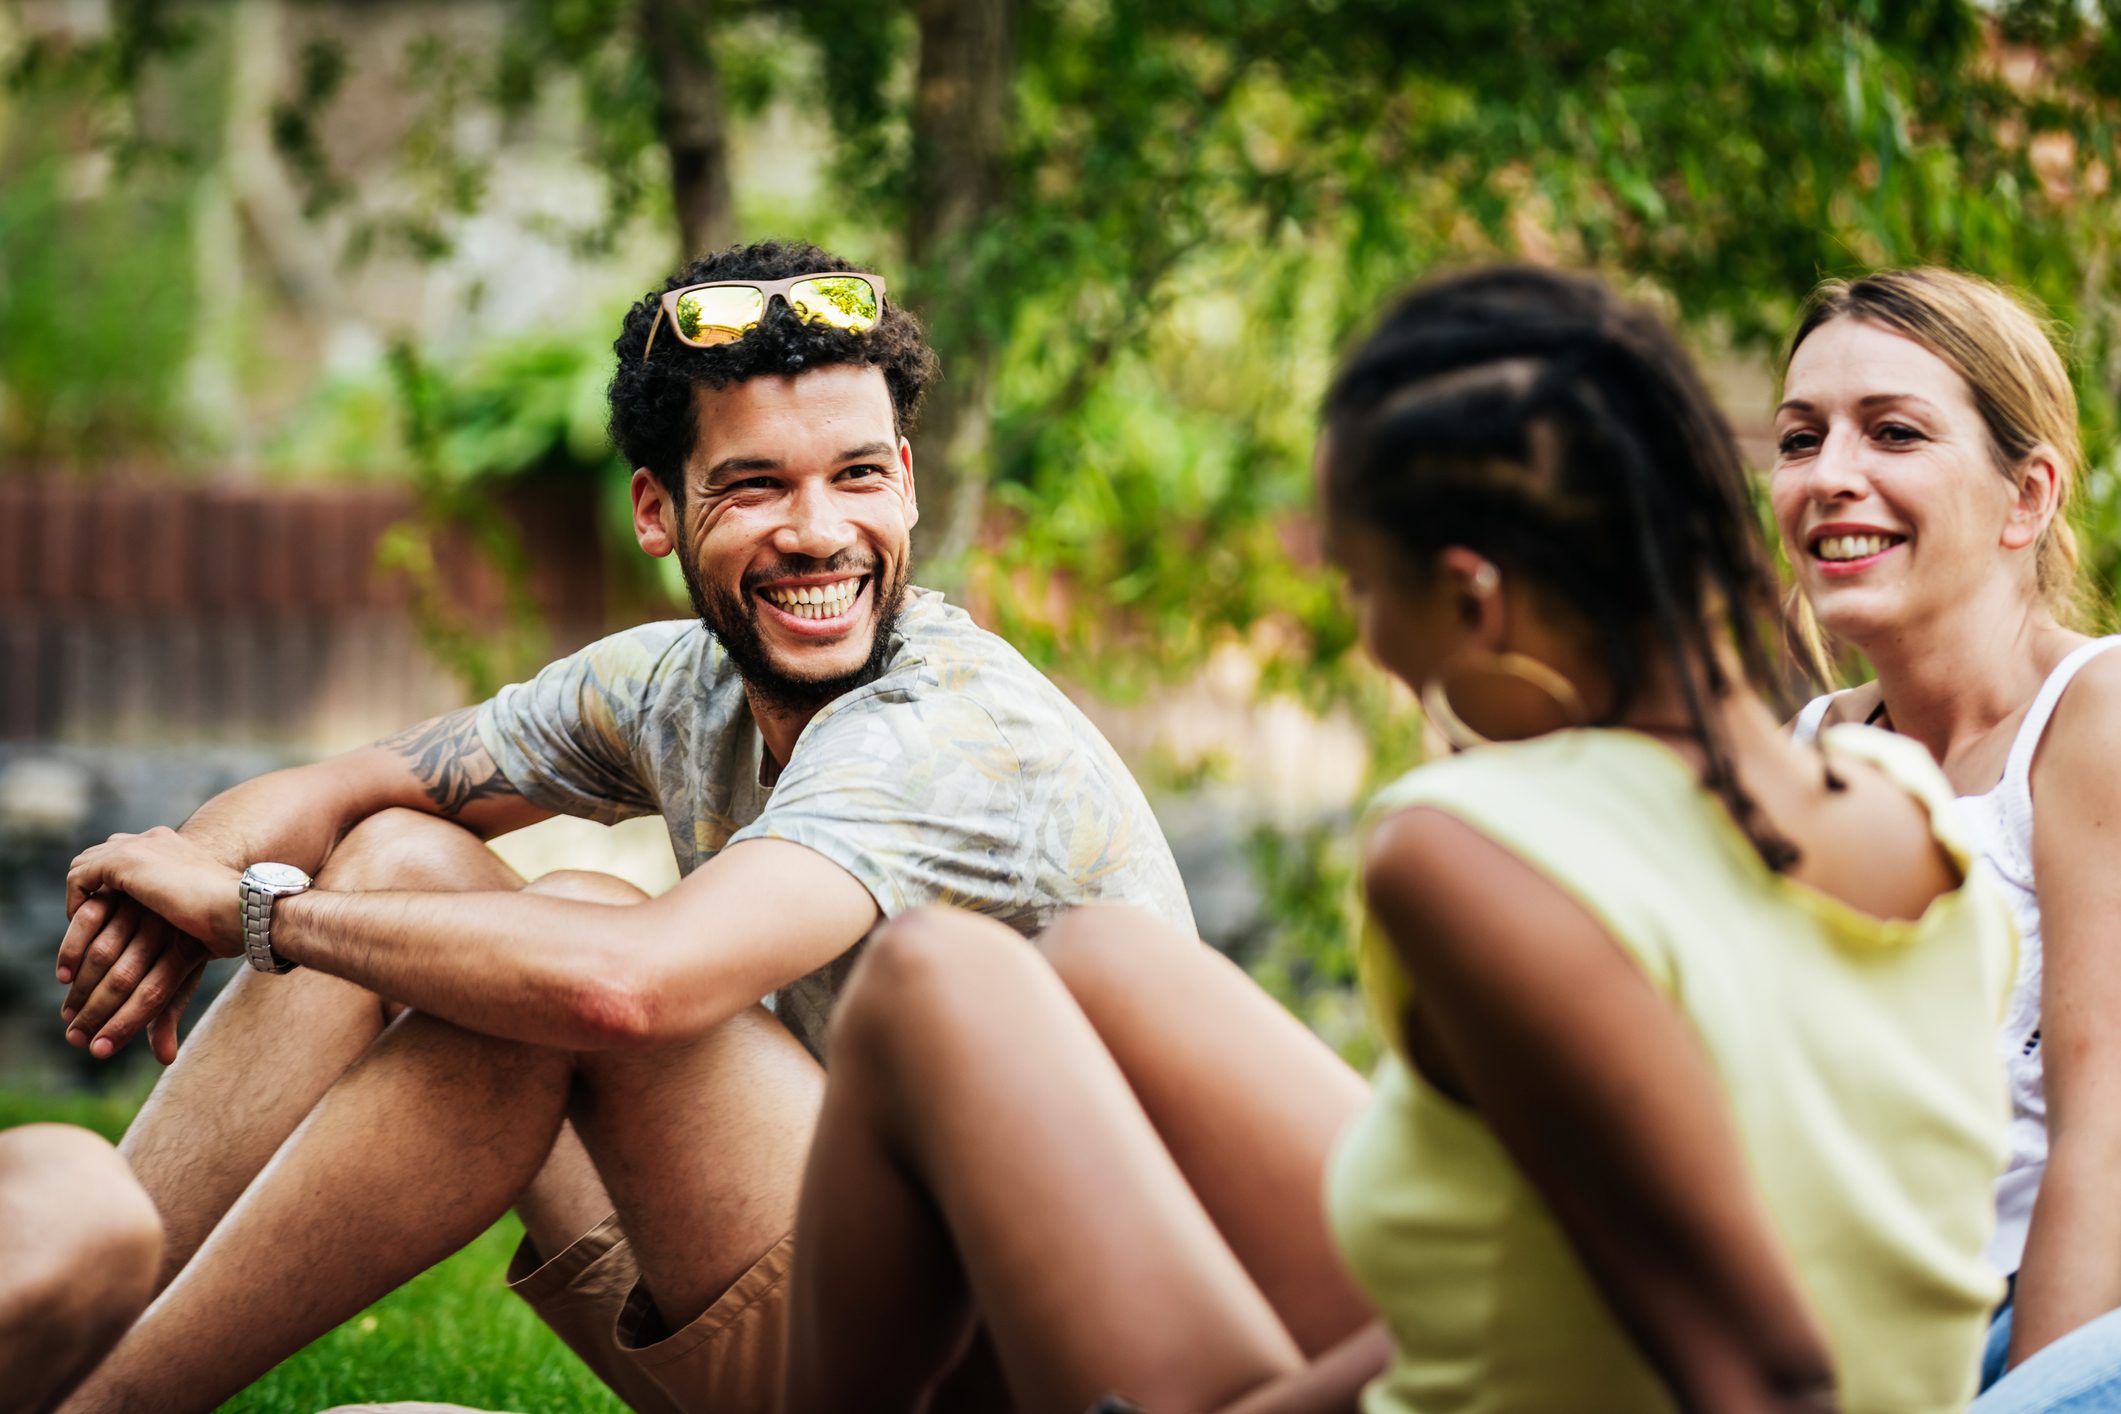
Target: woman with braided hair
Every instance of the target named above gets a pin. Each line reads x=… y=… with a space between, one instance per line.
x=1926 y=448
x=1687 y=1102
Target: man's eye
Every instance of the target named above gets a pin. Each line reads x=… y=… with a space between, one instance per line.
x=755 y=483
x=866 y=472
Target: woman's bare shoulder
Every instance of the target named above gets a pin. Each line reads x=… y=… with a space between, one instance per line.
x=2081 y=732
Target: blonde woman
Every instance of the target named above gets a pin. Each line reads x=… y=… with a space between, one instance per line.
x=1926 y=452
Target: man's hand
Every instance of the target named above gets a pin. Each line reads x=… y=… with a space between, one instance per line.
x=128 y=969
x=147 y=911
x=122 y=961
x=168 y=875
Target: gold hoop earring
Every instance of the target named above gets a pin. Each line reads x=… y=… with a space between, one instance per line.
x=1436 y=697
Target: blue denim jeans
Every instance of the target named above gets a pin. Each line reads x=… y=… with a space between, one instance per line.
x=2078 y=1374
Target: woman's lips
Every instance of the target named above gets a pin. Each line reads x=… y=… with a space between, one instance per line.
x=1843 y=567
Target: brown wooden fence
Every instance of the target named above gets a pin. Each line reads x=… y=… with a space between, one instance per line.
x=148 y=613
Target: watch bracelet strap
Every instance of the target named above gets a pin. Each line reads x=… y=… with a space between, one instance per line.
x=257 y=930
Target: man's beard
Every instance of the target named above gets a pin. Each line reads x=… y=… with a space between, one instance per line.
x=733 y=619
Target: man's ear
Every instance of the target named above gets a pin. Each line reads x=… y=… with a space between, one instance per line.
x=2036 y=498
x=655 y=516
x=905 y=466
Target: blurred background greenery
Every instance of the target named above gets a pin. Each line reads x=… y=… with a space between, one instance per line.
x=289 y=249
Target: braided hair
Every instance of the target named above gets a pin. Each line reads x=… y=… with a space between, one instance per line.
x=1536 y=418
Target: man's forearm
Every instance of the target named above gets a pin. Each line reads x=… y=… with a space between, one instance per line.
x=296 y=816
x=529 y=967
x=293 y=816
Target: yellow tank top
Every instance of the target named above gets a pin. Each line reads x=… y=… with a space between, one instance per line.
x=1855 y=1055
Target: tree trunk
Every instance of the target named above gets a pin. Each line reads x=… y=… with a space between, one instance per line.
x=688 y=119
x=961 y=117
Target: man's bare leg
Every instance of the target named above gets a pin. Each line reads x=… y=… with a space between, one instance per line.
x=702 y=1148
x=428 y=1138
x=78 y=1244
x=270 y=1047
x=414 y=1151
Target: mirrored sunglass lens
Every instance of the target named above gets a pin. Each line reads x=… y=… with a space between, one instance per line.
x=718 y=315
x=846 y=300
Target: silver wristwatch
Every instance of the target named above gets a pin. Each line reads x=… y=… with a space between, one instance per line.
x=260 y=886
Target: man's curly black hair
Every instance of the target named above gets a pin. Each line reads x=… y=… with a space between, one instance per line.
x=654 y=419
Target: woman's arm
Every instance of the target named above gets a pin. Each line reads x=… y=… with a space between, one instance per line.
x=1606 y=1101
x=2072 y=1267
x=1331 y=1384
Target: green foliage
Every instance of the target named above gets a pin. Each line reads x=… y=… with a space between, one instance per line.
x=1308 y=885
x=145 y=38
x=1234 y=187
x=98 y=308
x=521 y=409
x=319 y=71
x=96 y=318
x=527 y=408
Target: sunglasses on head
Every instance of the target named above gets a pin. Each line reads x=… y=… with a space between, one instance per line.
x=723 y=311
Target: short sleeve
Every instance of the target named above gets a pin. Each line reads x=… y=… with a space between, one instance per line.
x=918 y=796
x=566 y=739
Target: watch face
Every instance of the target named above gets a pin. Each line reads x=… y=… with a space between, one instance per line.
x=278 y=876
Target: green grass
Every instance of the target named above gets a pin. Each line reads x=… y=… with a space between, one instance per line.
x=452 y=1334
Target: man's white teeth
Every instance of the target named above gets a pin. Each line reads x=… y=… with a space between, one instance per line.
x=1855 y=547
x=816 y=601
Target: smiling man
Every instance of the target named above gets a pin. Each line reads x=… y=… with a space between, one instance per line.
x=829 y=747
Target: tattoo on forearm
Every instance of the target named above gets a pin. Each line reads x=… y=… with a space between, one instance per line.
x=450 y=761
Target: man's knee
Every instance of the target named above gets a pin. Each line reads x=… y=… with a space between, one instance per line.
x=410 y=849
x=585 y=886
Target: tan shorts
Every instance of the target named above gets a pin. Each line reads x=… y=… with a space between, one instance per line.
x=728 y=1361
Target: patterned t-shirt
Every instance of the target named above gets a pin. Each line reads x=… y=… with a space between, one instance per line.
x=959 y=776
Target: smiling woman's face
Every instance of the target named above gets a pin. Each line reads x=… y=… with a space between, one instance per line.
x=1886 y=488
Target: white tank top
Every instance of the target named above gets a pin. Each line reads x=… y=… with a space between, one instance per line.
x=2002 y=823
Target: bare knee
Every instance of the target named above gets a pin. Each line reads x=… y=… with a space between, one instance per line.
x=586 y=886
x=1108 y=944
x=410 y=849
x=926 y=948
x=921 y=967
x=81 y=1238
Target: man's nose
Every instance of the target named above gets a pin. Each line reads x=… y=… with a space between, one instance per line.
x=814 y=525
